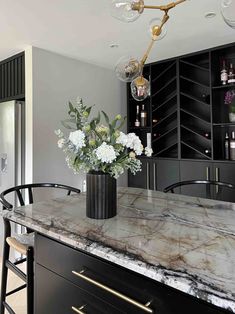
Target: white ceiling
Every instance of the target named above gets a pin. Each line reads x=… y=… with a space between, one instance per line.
x=84 y=29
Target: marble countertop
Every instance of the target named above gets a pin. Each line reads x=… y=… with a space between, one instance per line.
x=185 y=242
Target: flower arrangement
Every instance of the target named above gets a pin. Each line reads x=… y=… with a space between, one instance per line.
x=229 y=99
x=94 y=146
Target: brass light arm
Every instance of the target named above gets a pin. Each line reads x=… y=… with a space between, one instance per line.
x=140 y=6
x=156 y=31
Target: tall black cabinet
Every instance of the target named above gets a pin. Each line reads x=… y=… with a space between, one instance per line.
x=12 y=78
x=187 y=120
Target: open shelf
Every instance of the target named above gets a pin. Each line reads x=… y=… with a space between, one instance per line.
x=227 y=86
x=194 y=98
x=169 y=98
x=164 y=86
x=195 y=65
x=196 y=132
x=165 y=118
x=193 y=81
x=166 y=68
x=196 y=149
x=166 y=149
x=164 y=134
x=195 y=115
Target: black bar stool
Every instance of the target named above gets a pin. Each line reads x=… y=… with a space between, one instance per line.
x=23 y=244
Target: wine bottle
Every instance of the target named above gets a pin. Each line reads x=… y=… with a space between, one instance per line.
x=226 y=147
x=137 y=119
x=207 y=152
x=231 y=75
x=224 y=74
x=143 y=117
x=155 y=120
x=207 y=135
x=206 y=98
x=232 y=147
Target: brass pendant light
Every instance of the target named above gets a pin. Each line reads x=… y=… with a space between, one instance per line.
x=129 y=69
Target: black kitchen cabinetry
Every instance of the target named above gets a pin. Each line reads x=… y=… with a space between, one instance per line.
x=187 y=120
x=12 y=78
x=156 y=174
x=59 y=290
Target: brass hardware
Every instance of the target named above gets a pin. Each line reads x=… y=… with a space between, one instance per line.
x=156 y=30
x=207 y=173
x=154 y=176
x=112 y=291
x=138 y=6
x=217 y=179
x=78 y=310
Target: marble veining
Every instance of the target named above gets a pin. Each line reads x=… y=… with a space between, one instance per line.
x=185 y=242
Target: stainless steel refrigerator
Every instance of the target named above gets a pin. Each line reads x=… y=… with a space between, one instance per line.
x=12 y=147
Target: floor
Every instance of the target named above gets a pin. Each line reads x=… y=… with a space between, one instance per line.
x=18 y=300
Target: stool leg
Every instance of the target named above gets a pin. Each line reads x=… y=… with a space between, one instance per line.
x=5 y=257
x=30 y=281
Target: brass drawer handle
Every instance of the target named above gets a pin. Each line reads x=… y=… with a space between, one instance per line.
x=79 y=310
x=114 y=292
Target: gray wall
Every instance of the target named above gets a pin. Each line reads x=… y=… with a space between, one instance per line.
x=56 y=80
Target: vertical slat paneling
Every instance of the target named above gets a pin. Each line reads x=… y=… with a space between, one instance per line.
x=12 y=78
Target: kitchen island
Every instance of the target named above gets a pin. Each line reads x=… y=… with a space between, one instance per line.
x=164 y=253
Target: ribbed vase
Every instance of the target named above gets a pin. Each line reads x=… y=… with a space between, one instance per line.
x=101 y=196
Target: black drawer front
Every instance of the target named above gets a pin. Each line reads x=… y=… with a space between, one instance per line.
x=56 y=295
x=63 y=260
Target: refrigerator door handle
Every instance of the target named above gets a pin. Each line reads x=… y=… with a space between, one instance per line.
x=4 y=163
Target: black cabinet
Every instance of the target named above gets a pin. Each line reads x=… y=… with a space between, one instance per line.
x=196 y=170
x=224 y=172
x=142 y=178
x=101 y=287
x=164 y=173
x=12 y=78
x=187 y=120
x=156 y=174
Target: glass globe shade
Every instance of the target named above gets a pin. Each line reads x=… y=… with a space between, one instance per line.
x=140 y=88
x=127 y=68
x=153 y=24
x=228 y=12
x=122 y=10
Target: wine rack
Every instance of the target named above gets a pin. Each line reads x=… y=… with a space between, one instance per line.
x=164 y=109
x=187 y=117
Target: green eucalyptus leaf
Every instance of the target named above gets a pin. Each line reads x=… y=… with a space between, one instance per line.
x=105 y=117
x=122 y=123
x=67 y=126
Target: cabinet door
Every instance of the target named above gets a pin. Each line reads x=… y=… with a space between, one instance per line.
x=164 y=173
x=195 y=170
x=142 y=178
x=224 y=172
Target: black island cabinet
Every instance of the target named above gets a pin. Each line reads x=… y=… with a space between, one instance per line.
x=71 y=281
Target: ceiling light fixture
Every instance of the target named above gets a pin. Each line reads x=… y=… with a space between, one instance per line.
x=130 y=69
x=228 y=12
x=210 y=15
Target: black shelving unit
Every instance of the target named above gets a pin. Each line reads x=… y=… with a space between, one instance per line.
x=187 y=117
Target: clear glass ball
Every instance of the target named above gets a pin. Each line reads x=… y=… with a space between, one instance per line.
x=228 y=12
x=140 y=88
x=155 y=23
x=122 y=10
x=127 y=69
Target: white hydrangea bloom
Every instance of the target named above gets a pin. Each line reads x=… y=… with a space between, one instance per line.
x=105 y=153
x=148 y=151
x=132 y=141
x=122 y=139
x=77 y=138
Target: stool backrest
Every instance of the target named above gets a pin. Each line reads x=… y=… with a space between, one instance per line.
x=207 y=184
x=21 y=195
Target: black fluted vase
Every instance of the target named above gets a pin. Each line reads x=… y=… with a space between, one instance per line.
x=101 y=196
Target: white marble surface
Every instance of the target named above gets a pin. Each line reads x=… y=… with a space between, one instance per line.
x=187 y=243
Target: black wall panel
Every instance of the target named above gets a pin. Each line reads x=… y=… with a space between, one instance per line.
x=12 y=78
